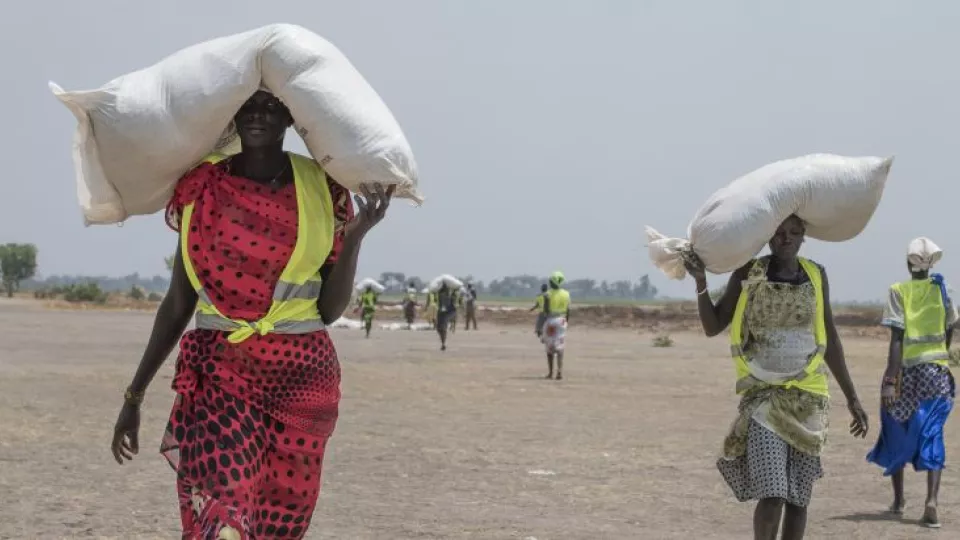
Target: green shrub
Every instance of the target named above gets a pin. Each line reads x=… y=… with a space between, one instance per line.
x=663 y=341
x=87 y=292
x=137 y=293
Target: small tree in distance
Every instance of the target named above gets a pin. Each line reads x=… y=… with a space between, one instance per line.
x=17 y=263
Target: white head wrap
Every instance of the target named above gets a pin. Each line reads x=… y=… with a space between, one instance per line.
x=922 y=254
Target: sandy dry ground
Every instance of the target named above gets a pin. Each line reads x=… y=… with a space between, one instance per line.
x=470 y=443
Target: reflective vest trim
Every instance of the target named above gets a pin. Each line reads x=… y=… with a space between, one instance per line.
x=559 y=302
x=294 y=307
x=813 y=377
x=925 y=318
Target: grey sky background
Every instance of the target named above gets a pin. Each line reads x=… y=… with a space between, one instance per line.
x=548 y=132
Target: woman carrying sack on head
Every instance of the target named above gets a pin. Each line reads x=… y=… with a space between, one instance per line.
x=918 y=388
x=410 y=306
x=368 y=307
x=556 y=309
x=783 y=340
x=268 y=256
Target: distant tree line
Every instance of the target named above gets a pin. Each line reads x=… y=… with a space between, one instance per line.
x=528 y=286
x=18 y=267
x=155 y=284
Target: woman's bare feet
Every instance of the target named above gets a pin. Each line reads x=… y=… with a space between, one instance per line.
x=930 y=519
x=897 y=507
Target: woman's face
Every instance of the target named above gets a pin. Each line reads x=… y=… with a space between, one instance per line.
x=786 y=242
x=262 y=121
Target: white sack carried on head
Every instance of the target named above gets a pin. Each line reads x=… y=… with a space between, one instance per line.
x=834 y=195
x=138 y=134
x=923 y=254
x=370 y=282
x=452 y=283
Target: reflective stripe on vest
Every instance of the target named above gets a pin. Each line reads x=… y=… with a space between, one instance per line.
x=813 y=378
x=559 y=301
x=294 y=306
x=925 y=320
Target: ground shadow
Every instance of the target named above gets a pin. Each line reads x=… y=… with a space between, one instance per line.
x=861 y=517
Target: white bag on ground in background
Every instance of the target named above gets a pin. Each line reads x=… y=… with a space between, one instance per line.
x=452 y=283
x=835 y=195
x=138 y=134
x=370 y=282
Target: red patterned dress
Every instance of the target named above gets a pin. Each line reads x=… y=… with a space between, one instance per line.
x=251 y=420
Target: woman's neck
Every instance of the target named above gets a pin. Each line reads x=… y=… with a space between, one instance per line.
x=785 y=266
x=263 y=164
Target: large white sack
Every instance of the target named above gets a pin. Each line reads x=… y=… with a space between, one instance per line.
x=139 y=133
x=370 y=282
x=835 y=195
x=452 y=283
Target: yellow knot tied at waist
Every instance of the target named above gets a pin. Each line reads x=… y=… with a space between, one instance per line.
x=248 y=329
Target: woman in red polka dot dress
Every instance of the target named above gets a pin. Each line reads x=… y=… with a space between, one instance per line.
x=252 y=416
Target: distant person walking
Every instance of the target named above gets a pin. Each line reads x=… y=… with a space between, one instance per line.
x=410 y=306
x=556 y=307
x=541 y=314
x=430 y=310
x=446 y=309
x=368 y=308
x=783 y=339
x=918 y=388
x=470 y=306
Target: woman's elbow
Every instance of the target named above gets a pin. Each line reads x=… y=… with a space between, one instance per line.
x=713 y=330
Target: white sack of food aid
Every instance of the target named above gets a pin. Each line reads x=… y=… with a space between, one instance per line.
x=452 y=283
x=139 y=133
x=834 y=195
x=370 y=282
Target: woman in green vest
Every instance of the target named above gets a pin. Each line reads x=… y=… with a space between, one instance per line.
x=556 y=309
x=538 y=307
x=268 y=248
x=430 y=310
x=368 y=307
x=918 y=388
x=782 y=340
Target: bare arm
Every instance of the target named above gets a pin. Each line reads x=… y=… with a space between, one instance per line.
x=716 y=318
x=338 y=280
x=894 y=353
x=172 y=318
x=834 y=356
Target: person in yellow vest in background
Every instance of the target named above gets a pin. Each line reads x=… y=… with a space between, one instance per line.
x=538 y=307
x=918 y=389
x=430 y=310
x=368 y=308
x=456 y=300
x=556 y=310
x=783 y=340
x=410 y=306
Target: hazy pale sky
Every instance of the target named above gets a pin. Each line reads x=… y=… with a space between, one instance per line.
x=548 y=132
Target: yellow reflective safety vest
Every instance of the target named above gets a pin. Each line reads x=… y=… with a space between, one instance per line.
x=925 y=323
x=368 y=300
x=559 y=301
x=294 y=307
x=541 y=300
x=813 y=378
